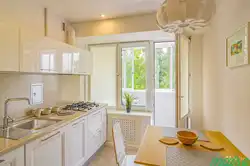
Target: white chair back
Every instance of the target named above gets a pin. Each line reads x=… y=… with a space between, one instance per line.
x=119 y=146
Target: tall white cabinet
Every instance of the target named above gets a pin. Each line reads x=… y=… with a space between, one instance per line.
x=9 y=47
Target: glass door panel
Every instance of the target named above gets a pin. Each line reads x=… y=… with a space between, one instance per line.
x=164 y=100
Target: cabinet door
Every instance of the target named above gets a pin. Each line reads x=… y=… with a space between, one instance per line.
x=40 y=56
x=75 y=144
x=13 y=158
x=94 y=132
x=104 y=125
x=45 y=151
x=85 y=62
x=9 y=47
x=48 y=61
x=76 y=62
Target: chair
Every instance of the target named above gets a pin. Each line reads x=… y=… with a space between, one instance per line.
x=120 y=154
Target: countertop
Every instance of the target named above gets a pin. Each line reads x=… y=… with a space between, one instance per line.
x=7 y=145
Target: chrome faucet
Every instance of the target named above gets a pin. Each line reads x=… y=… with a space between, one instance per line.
x=7 y=118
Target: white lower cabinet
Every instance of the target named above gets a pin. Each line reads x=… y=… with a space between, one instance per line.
x=104 y=125
x=13 y=158
x=72 y=145
x=47 y=151
x=96 y=131
x=75 y=141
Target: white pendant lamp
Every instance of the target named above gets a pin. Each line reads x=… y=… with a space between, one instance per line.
x=176 y=15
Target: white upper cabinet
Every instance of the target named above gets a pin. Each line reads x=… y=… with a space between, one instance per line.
x=50 y=56
x=41 y=56
x=76 y=61
x=9 y=47
x=85 y=62
x=67 y=55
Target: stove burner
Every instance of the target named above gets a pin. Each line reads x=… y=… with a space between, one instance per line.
x=81 y=106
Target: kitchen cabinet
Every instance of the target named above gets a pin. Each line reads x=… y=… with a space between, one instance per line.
x=41 y=56
x=77 y=61
x=104 y=125
x=95 y=132
x=86 y=62
x=67 y=59
x=47 y=150
x=82 y=61
x=13 y=158
x=75 y=143
x=9 y=47
x=50 y=56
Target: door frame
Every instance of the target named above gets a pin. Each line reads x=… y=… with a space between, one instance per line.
x=182 y=122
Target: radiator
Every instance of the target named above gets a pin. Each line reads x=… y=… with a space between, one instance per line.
x=133 y=126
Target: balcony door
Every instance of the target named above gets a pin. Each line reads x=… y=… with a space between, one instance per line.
x=165 y=84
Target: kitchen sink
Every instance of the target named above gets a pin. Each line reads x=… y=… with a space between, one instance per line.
x=14 y=133
x=36 y=124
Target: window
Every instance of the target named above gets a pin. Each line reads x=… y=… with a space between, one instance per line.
x=165 y=65
x=133 y=73
x=129 y=67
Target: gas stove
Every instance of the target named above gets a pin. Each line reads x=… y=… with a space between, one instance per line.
x=81 y=106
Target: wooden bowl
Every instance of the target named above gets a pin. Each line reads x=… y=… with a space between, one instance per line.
x=187 y=137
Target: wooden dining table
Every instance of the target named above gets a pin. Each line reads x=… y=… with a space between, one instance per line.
x=153 y=153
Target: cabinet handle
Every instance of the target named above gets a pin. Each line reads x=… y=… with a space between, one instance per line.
x=73 y=125
x=96 y=113
x=50 y=136
x=1 y=161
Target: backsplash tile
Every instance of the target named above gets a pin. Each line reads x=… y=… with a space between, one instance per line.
x=19 y=85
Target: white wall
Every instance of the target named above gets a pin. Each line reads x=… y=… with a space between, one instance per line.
x=29 y=16
x=226 y=91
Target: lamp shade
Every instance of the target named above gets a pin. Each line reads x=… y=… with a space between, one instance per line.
x=176 y=15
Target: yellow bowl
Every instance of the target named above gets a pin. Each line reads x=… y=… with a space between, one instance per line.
x=187 y=137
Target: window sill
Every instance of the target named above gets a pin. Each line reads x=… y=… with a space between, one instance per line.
x=132 y=113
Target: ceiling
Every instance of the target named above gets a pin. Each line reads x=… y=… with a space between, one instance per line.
x=86 y=10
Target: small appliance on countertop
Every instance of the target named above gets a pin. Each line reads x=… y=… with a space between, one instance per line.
x=81 y=106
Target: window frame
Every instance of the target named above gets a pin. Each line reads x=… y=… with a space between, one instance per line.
x=148 y=88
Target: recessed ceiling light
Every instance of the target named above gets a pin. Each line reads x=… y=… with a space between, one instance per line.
x=102 y=15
